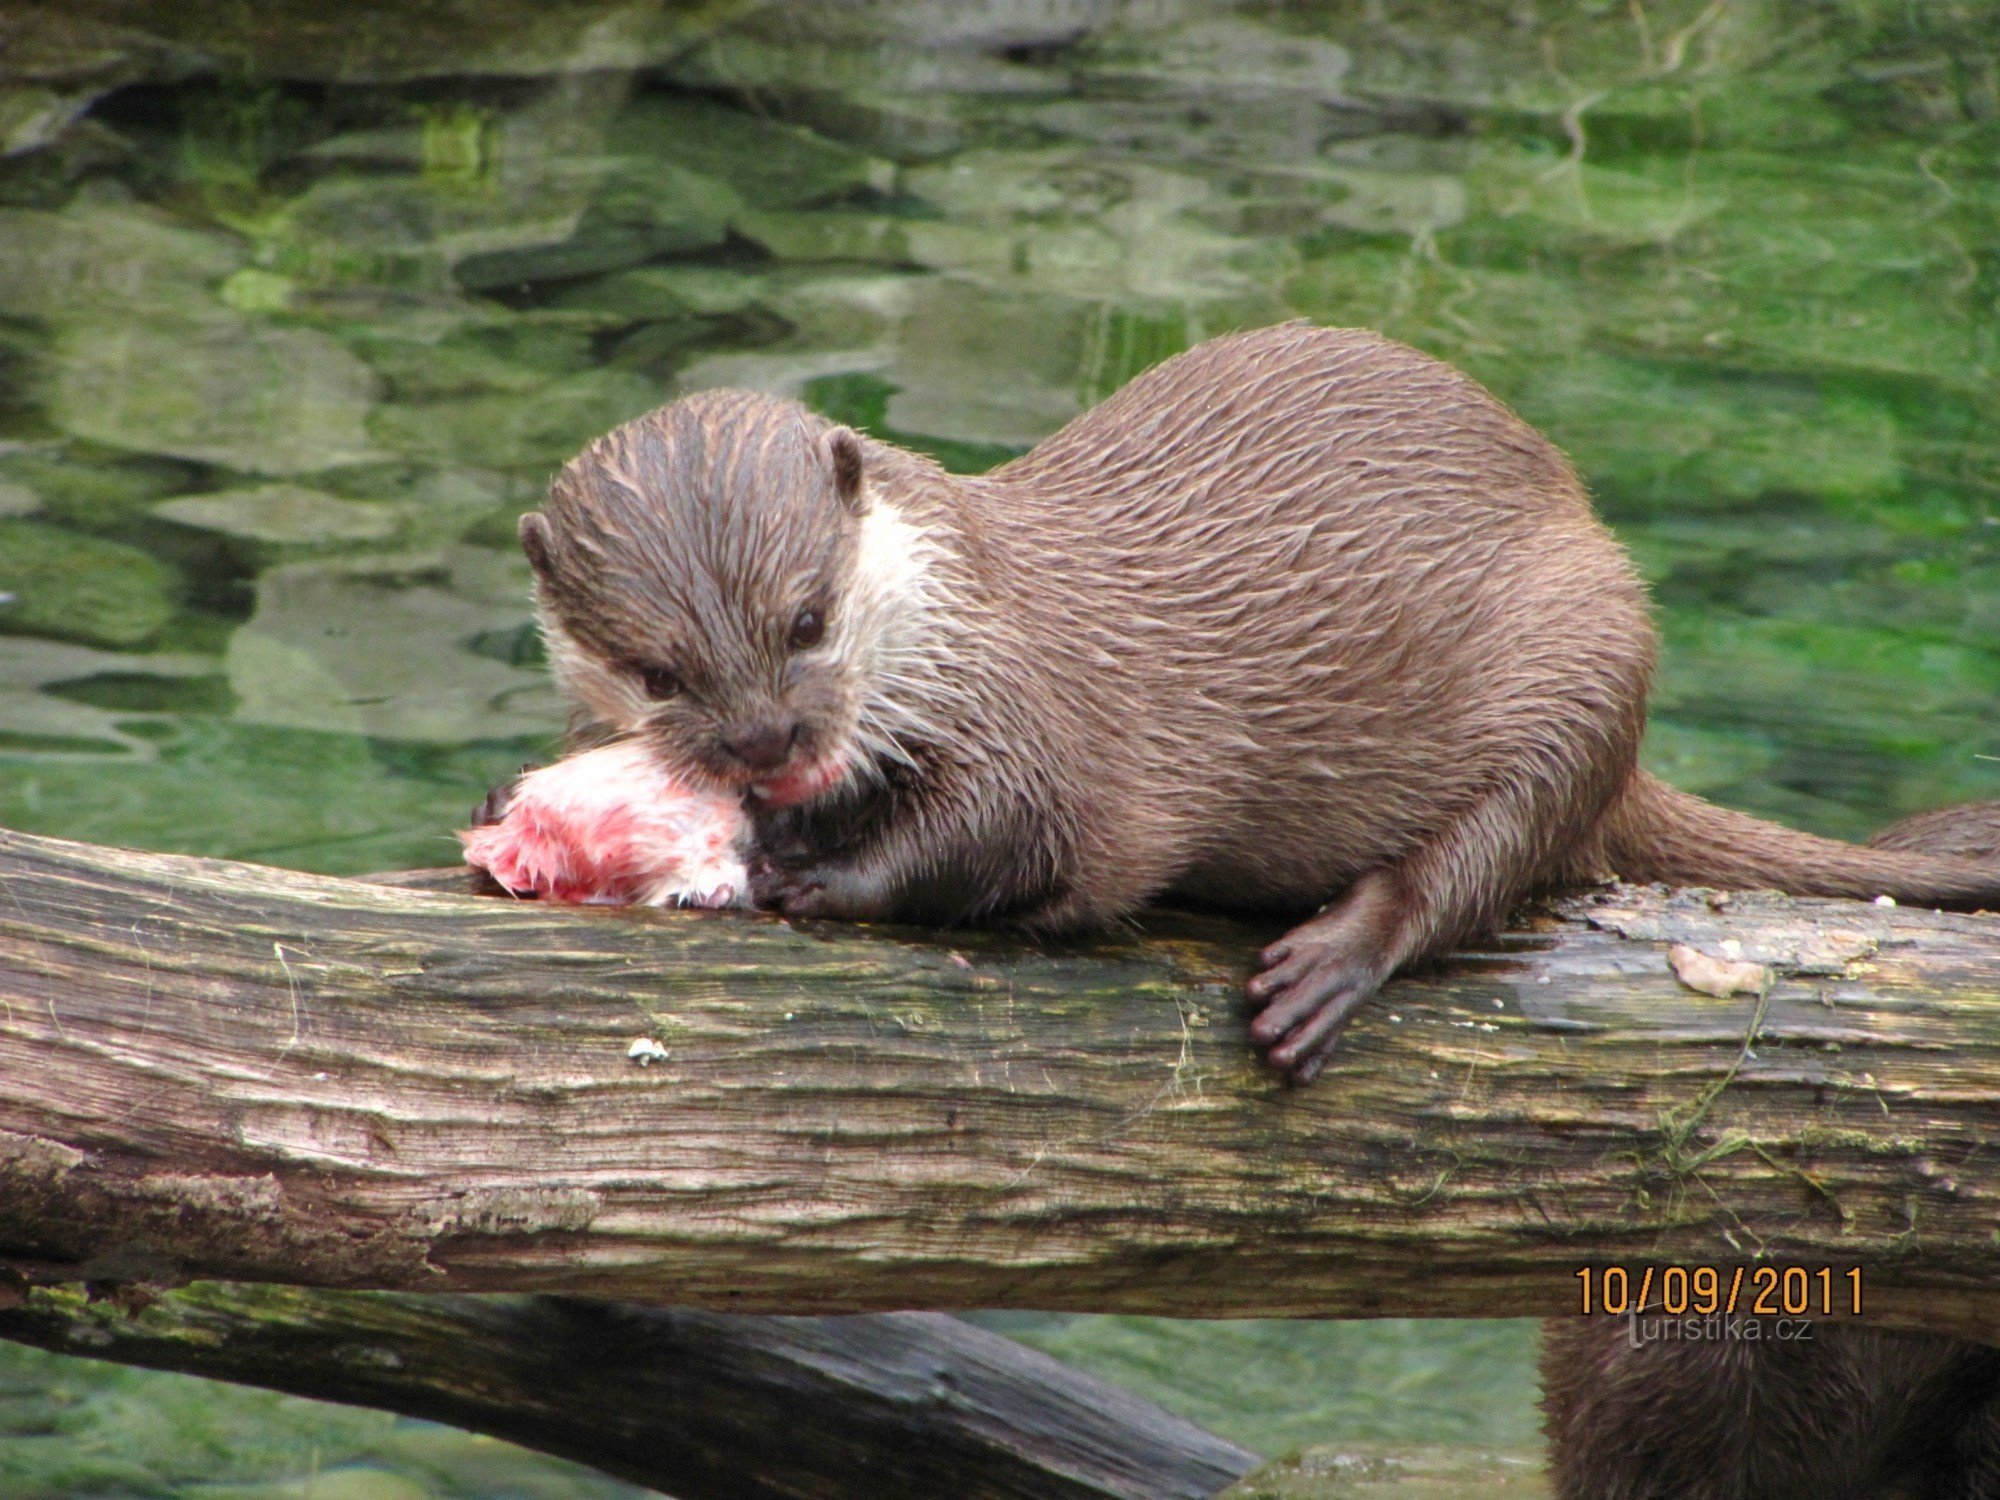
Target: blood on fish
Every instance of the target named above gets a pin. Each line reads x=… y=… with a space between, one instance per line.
x=610 y=827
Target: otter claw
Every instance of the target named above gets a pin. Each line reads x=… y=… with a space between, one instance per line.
x=789 y=891
x=1315 y=977
x=493 y=807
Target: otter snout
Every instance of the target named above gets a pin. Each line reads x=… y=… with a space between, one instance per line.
x=762 y=744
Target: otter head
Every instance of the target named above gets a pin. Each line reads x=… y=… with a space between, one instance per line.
x=705 y=584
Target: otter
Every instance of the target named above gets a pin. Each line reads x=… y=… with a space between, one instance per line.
x=1301 y=621
x=1852 y=1413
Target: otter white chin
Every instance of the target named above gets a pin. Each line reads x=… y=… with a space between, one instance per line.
x=1301 y=621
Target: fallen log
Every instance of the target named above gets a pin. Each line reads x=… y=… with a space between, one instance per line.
x=217 y=1070
x=699 y=1405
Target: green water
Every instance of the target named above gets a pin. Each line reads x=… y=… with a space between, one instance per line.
x=294 y=320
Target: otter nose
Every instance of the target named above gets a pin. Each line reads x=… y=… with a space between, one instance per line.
x=763 y=744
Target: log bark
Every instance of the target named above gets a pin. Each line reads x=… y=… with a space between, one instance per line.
x=216 y=1070
x=700 y=1405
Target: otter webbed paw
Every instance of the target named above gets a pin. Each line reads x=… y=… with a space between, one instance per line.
x=1316 y=976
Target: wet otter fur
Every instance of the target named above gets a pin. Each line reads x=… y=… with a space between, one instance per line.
x=1299 y=621
x=1852 y=1413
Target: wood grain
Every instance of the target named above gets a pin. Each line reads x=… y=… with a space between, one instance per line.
x=218 y=1070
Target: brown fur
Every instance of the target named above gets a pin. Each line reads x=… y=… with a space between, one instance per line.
x=1970 y=830
x=1653 y=832
x=1300 y=616
x=1850 y=1413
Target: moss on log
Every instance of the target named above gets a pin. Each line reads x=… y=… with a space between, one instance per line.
x=218 y=1070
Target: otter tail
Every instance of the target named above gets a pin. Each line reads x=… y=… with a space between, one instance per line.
x=1655 y=832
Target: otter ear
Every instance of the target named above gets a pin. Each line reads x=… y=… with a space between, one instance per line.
x=534 y=531
x=843 y=451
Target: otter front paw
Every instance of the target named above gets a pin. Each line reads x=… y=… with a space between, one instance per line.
x=1316 y=976
x=774 y=886
x=816 y=891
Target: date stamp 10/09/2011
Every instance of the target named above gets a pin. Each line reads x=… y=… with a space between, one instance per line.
x=1726 y=1291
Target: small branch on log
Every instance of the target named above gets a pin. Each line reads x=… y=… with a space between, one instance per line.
x=701 y=1405
x=215 y=1070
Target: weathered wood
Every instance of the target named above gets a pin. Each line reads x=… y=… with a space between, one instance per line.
x=217 y=1070
x=701 y=1405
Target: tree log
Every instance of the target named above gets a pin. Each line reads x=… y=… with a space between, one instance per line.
x=700 y=1405
x=216 y=1070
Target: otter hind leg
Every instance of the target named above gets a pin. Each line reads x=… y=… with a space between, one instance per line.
x=1317 y=975
x=1458 y=882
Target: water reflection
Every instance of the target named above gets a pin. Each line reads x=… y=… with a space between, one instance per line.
x=295 y=318
x=295 y=322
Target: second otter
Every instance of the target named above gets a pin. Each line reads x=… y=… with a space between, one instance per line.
x=1301 y=619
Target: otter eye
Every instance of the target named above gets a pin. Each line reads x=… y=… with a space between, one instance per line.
x=659 y=682
x=808 y=628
